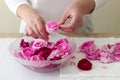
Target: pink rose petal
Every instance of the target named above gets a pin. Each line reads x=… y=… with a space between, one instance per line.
x=117 y=46
x=116 y=56
x=37 y=58
x=38 y=43
x=93 y=54
x=104 y=67
x=28 y=51
x=72 y=63
x=87 y=46
x=52 y=26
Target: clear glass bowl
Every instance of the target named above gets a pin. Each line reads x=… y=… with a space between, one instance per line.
x=41 y=66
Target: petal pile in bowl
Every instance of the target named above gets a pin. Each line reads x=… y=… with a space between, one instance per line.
x=42 y=50
x=41 y=55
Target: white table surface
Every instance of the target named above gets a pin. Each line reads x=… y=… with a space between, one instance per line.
x=10 y=69
x=98 y=72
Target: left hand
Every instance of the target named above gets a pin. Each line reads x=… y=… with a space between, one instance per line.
x=74 y=13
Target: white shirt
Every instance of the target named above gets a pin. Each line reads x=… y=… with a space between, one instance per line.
x=51 y=10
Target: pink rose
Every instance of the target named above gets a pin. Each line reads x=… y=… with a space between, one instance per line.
x=93 y=54
x=117 y=46
x=108 y=48
x=38 y=43
x=50 y=45
x=55 y=55
x=63 y=45
x=60 y=50
x=63 y=40
x=116 y=56
x=27 y=52
x=31 y=43
x=60 y=41
x=106 y=57
x=87 y=46
x=106 y=60
x=52 y=26
x=106 y=53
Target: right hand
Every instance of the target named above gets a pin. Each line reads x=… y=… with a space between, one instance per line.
x=34 y=23
x=35 y=27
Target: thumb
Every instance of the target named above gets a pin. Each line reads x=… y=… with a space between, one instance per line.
x=63 y=19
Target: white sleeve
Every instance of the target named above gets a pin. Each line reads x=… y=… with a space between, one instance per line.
x=99 y=3
x=14 y=4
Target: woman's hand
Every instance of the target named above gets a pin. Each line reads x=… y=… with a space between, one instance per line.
x=75 y=13
x=34 y=23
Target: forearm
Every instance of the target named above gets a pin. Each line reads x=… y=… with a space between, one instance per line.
x=24 y=11
x=87 y=6
x=14 y=4
x=34 y=24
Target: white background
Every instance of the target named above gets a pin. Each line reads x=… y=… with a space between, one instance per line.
x=107 y=17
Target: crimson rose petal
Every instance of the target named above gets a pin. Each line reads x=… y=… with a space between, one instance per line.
x=24 y=44
x=84 y=64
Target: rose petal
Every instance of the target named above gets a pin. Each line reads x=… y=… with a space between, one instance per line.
x=24 y=44
x=84 y=64
x=52 y=26
x=38 y=43
x=87 y=46
x=28 y=51
x=116 y=56
x=36 y=58
x=93 y=54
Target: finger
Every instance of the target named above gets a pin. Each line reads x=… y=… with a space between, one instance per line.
x=43 y=34
x=68 y=29
x=72 y=23
x=35 y=30
x=40 y=26
x=73 y=29
x=25 y=32
x=42 y=31
x=63 y=19
x=72 y=26
x=30 y=32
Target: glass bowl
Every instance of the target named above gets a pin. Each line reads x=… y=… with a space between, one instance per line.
x=42 y=66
